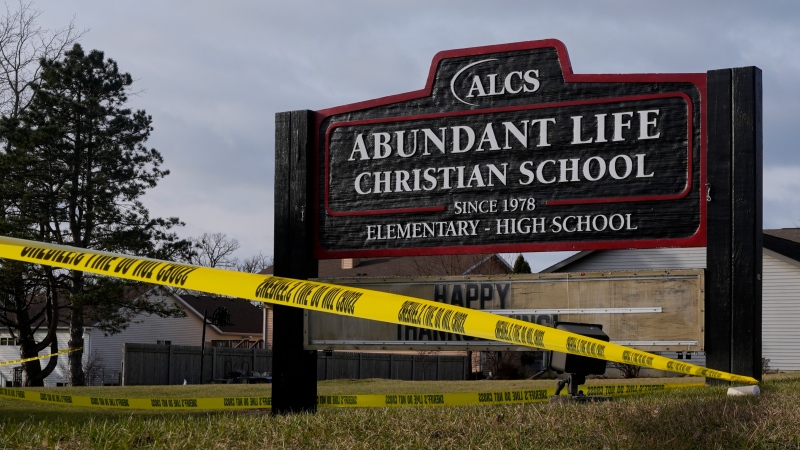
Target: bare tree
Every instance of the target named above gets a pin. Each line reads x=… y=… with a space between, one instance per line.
x=427 y=359
x=215 y=250
x=23 y=43
x=94 y=369
x=254 y=264
x=505 y=365
x=626 y=370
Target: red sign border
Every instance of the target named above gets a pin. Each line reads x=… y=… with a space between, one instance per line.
x=698 y=239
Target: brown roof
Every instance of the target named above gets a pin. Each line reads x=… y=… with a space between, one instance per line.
x=245 y=317
x=784 y=241
x=789 y=234
x=412 y=266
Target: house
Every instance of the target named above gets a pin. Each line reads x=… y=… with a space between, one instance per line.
x=12 y=374
x=780 y=285
x=102 y=353
x=247 y=329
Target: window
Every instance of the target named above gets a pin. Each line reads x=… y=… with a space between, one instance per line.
x=164 y=342
x=9 y=341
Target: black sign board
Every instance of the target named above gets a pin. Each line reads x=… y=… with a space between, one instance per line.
x=507 y=150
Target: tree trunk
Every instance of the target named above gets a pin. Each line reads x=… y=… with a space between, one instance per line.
x=29 y=348
x=76 y=375
x=33 y=369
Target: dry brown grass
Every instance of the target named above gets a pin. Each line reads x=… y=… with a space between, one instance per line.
x=700 y=418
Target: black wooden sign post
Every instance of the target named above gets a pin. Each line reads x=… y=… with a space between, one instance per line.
x=734 y=255
x=294 y=369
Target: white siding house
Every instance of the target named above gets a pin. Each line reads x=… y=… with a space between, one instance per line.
x=780 y=285
x=248 y=329
x=147 y=329
x=781 y=311
x=103 y=353
x=9 y=351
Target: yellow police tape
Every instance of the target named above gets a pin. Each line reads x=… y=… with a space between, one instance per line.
x=347 y=301
x=20 y=361
x=341 y=401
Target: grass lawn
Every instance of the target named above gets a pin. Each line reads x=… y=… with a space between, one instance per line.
x=686 y=418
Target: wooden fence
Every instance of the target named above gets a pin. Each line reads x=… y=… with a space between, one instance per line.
x=422 y=366
x=151 y=364
x=148 y=364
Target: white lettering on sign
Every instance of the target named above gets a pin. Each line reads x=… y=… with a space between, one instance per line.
x=493 y=84
x=454 y=140
x=567 y=224
x=459 y=139
x=528 y=134
x=504 y=226
x=593 y=168
x=422 y=230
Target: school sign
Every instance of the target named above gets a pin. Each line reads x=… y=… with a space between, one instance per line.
x=506 y=149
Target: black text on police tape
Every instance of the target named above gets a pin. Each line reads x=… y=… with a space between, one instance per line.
x=637 y=359
x=300 y=293
x=518 y=333
x=584 y=347
x=165 y=272
x=432 y=316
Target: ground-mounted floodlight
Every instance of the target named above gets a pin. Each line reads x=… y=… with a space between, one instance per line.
x=576 y=366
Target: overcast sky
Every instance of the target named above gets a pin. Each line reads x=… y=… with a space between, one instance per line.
x=214 y=73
